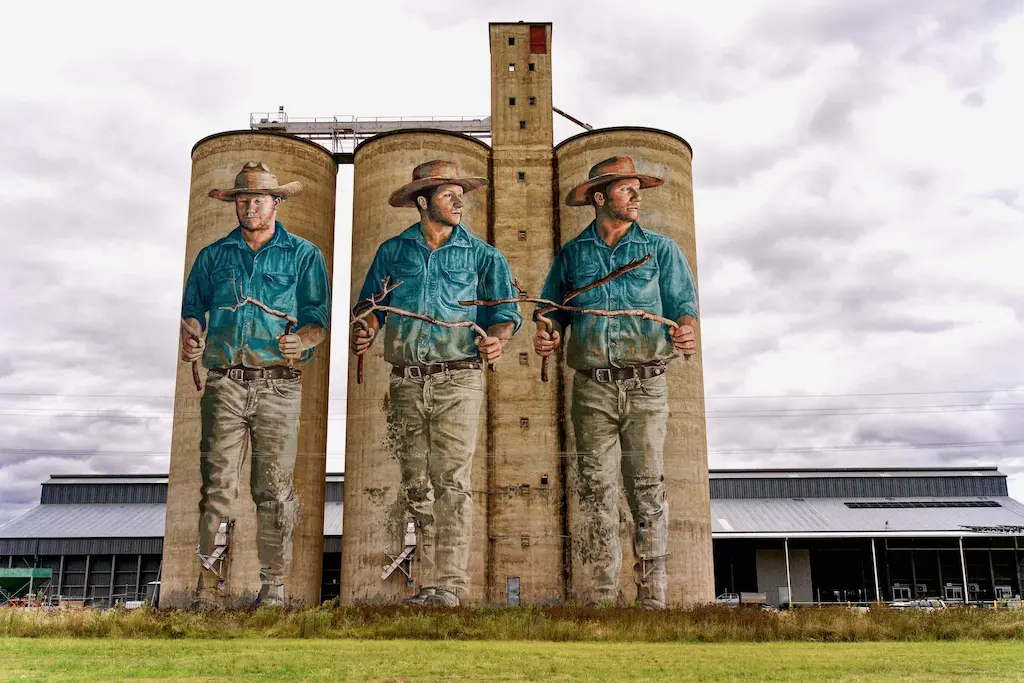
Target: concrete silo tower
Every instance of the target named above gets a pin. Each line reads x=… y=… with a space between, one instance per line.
x=526 y=549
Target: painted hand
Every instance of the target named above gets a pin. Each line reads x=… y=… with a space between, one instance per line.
x=291 y=346
x=490 y=348
x=361 y=338
x=192 y=349
x=684 y=339
x=545 y=343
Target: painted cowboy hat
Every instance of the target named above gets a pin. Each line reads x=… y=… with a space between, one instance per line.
x=432 y=174
x=256 y=178
x=605 y=172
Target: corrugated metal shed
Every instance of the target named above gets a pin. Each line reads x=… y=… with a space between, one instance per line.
x=88 y=521
x=845 y=483
x=739 y=518
x=112 y=521
x=816 y=473
x=332 y=519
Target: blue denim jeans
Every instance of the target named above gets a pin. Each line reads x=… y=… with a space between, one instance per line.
x=263 y=413
x=620 y=427
x=433 y=423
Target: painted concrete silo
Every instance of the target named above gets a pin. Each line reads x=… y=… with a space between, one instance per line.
x=377 y=532
x=666 y=209
x=253 y=438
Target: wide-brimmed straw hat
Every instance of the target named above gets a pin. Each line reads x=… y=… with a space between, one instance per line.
x=605 y=172
x=432 y=174
x=256 y=178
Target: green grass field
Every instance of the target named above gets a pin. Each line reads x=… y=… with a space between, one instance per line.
x=260 y=659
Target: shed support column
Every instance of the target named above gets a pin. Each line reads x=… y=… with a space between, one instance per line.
x=138 y=577
x=963 y=568
x=789 y=578
x=60 y=579
x=113 y=573
x=874 y=567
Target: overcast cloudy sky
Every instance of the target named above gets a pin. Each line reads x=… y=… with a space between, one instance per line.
x=859 y=196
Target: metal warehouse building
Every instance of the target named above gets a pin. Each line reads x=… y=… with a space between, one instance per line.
x=800 y=536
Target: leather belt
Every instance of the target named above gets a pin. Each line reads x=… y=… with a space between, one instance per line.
x=418 y=371
x=618 y=374
x=239 y=373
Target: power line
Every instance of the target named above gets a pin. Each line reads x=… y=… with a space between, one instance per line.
x=710 y=397
x=725 y=451
x=747 y=413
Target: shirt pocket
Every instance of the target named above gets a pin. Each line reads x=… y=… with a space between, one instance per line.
x=642 y=287
x=407 y=294
x=459 y=285
x=279 y=291
x=225 y=286
x=582 y=274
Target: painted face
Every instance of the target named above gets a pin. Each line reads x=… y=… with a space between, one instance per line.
x=446 y=205
x=256 y=211
x=622 y=199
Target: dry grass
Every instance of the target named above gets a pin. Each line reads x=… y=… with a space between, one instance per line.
x=558 y=624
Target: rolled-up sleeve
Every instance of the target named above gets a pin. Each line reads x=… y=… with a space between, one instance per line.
x=555 y=289
x=678 y=287
x=313 y=292
x=195 y=300
x=379 y=270
x=496 y=283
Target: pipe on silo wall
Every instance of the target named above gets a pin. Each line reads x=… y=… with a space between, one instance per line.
x=287 y=417
x=668 y=210
x=375 y=517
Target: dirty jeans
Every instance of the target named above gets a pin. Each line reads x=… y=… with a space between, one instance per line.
x=632 y=414
x=433 y=423
x=267 y=412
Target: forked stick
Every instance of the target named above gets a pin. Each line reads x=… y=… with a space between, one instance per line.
x=549 y=306
x=366 y=307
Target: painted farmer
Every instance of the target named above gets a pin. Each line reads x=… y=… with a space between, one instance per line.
x=254 y=387
x=619 y=395
x=436 y=385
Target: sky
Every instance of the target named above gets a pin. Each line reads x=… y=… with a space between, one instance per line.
x=859 y=204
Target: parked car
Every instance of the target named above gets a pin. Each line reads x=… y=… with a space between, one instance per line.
x=737 y=599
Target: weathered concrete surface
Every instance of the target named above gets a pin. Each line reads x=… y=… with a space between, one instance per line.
x=373 y=511
x=215 y=163
x=526 y=516
x=667 y=210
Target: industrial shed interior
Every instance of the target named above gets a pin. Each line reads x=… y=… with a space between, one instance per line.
x=798 y=536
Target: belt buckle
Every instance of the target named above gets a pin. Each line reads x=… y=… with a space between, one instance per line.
x=414 y=372
x=606 y=373
x=235 y=374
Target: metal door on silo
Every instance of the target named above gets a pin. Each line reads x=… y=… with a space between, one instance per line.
x=513 y=590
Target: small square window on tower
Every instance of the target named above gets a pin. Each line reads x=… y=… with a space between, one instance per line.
x=533 y=66
x=512 y=66
x=511 y=40
x=522 y=176
x=511 y=101
x=522 y=125
x=533 y=101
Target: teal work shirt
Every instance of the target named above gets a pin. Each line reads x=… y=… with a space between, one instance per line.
x=663 y=286
x=288 y=274
x=433 y=283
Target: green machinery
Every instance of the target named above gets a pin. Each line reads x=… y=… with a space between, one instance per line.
x=17 y=584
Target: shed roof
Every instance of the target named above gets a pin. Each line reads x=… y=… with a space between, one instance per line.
x=866 y=472
x=792 y=517
x=113 y=521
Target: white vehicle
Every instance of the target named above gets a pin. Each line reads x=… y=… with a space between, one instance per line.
x=737 y=599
